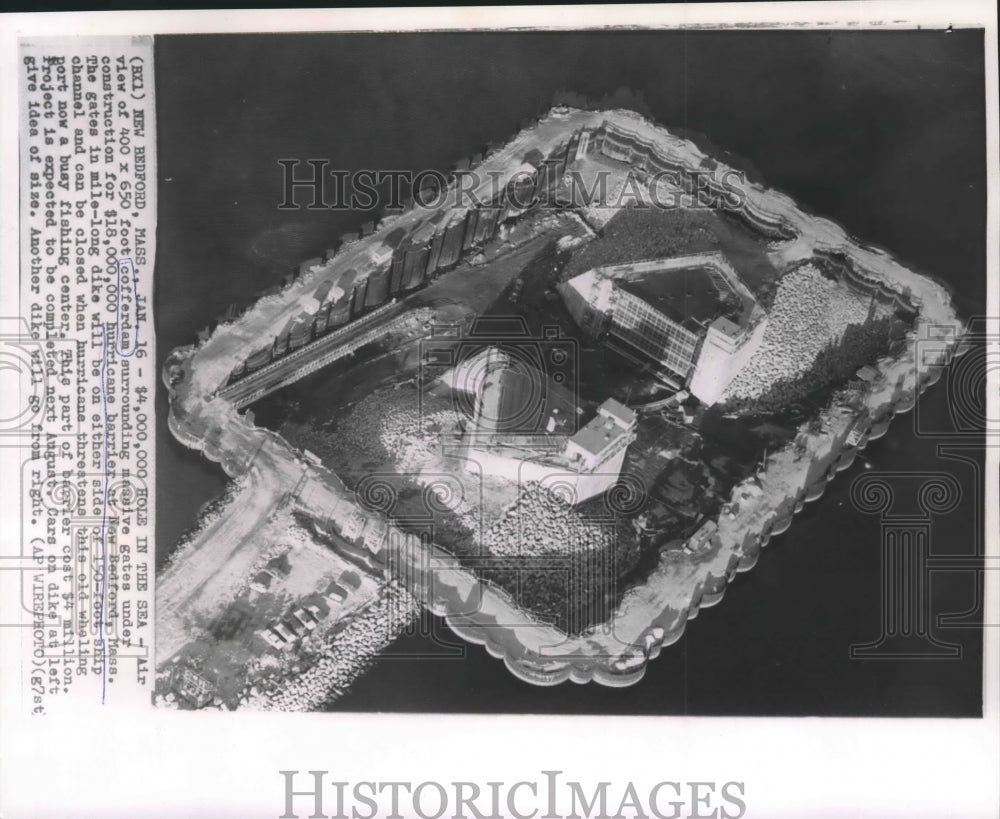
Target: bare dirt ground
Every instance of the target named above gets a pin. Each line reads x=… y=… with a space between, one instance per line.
x=204 y=573
x=219 y=634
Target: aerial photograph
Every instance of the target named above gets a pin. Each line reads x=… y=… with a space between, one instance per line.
x=597 y=372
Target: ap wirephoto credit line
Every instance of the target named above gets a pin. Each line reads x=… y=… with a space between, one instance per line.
x=406 y=372
x=85 y=357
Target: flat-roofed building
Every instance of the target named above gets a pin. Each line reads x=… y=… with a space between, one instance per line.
x=603 y=437
x=691 y=315
x=523 y=428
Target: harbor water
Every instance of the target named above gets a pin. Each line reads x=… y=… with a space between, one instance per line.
x=881 y=132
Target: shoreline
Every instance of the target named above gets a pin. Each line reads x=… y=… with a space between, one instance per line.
x=654 y=612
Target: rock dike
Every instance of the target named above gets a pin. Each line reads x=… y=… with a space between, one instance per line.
x=652 y=613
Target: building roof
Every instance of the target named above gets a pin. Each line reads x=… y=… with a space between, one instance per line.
x=689 y=296
x=594 y=289
x=724 y=325
x=619 y=411
x=595 y=436
x=381 y=253
x=192 y=687
x=692 y=291
x=283 y=631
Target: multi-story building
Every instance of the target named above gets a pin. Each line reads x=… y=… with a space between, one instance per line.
x=690 y=315
x=605 y=437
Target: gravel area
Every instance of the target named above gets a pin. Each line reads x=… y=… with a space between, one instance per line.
x=541 y=523
x=809 y=311
x=394 y=426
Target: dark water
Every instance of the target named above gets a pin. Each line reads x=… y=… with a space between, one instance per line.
x=882 y=132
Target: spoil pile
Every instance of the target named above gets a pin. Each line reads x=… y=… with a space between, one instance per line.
x=809 y=312
x=394 y=426
x=540 y=522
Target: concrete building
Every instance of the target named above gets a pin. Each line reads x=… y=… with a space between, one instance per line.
x=523 y=428
x=725 y=350
x=358 y=297
x=602 y=438
x=690 y=315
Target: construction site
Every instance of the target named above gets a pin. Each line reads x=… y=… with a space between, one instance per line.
x=485 y=445
x=567 y=401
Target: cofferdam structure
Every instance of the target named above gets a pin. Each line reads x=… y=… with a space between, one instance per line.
x=699 y=339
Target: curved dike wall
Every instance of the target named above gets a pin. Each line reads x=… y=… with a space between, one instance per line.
x=652 y=614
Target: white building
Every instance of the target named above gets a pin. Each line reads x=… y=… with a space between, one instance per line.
x=725 y=350
x=605 y=436
x=691 y=315
x=587 y=460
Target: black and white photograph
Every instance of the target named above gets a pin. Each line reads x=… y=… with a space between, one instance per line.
x=641 y=338
x=437 y=369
